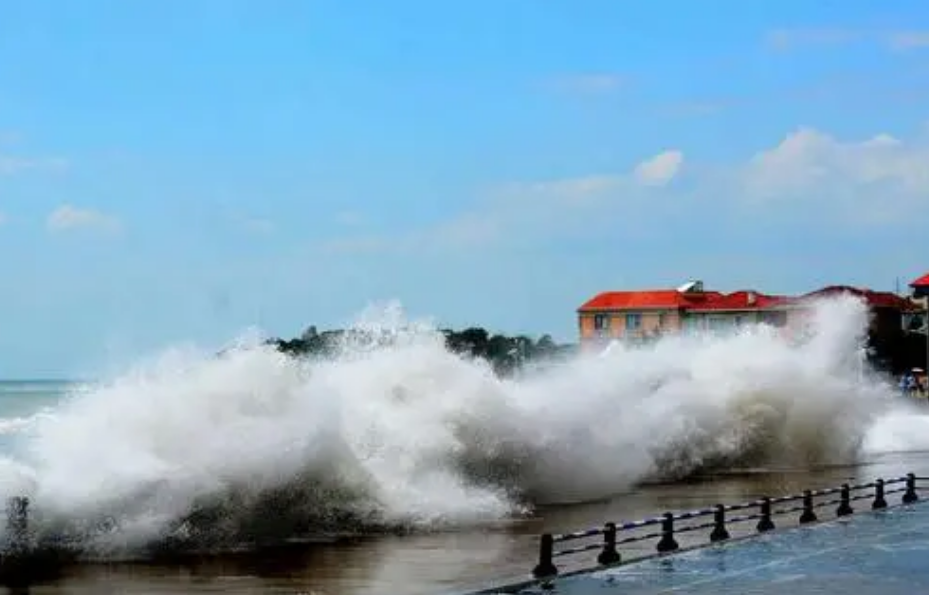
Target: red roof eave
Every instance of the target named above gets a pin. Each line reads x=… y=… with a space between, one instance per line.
x=635 y=300
x=764 y=308
x=670 y=300
x=921 y=282
x=874 y=299
x=584 y=309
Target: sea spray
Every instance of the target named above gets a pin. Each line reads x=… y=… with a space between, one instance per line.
x=394 y=431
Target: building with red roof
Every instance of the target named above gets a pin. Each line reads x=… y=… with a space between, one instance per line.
x=919 y=321
x=874 y=299
x=651 y=313
x=920 y=287
x=643 y=314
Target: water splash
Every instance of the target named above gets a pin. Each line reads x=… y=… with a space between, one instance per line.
x=396 y=431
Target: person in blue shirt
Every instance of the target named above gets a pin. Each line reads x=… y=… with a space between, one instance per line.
x=908 y=384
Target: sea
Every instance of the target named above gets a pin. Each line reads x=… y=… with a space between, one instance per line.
x=396 y=466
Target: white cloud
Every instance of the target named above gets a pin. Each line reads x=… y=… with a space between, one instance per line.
x=590 y=190
x=517 y=210
x=877 y=180
x=660 y=169
x=807 y=177
x=792 y=38
x=69 y=218
x=903 y=40
x=10 y=164
x=814 y=165
x=566 y=191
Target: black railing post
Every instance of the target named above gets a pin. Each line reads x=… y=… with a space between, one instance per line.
x=609 y=555
x=719 y=532
x=845 y=501
x=545 y=567
x=765 y=523
x=909 y=496
x=667 y=542
x=879 y=500
x=809 y=514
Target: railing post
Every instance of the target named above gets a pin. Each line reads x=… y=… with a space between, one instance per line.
x=609 y=555
x=667 y=542
x=809 y=514
x=845 y=502
x=17 y=522
x=879 y=500
x=719 y=532
x=909 y=496
x=765 y=523
x=545 y=567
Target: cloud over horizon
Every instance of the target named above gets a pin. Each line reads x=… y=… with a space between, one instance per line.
x=490 y=170
x=878 y=181
x=660 y=169
x=67 y=218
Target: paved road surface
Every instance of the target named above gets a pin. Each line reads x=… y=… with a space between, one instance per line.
x=882 y=553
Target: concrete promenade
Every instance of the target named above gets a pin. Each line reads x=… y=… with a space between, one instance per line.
x=870 y=553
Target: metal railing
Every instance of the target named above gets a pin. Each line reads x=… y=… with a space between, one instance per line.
x=766 y=512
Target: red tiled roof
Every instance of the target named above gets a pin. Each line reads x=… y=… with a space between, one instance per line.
x=921 y=282
x=670 y=299
x=657 y=298
x=744 y=300
x=879 y=299
x=673 y=299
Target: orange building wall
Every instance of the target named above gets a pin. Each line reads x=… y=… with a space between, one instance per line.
x=650 y=324
x=586 y=324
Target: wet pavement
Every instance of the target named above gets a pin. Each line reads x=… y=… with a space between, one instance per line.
x=881 y=552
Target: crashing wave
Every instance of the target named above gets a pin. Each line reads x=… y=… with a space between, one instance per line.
x=393 y=432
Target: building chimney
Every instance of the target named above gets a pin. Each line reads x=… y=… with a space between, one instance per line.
x=691 y=287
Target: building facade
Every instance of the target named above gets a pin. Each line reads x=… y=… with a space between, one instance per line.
x=920 y=287
x=916 y=321
x=643 y=315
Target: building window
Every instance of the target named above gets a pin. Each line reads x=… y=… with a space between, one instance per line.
x=693 y=323
x=776 y=318
x=663 y=320
x=718 y=323
x=601 y=322
x=633 y=322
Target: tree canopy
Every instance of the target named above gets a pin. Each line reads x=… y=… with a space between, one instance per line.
x=506 y=354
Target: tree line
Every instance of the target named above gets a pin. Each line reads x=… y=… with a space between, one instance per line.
x=506 y=354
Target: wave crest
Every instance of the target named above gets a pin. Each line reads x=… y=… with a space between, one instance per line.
x=394 y=431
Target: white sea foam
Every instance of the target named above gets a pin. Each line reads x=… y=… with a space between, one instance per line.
x=396 y=431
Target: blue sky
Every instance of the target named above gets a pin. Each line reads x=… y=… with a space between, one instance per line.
x=179 y=171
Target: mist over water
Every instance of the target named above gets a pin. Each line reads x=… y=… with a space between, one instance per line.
x=395 y=431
